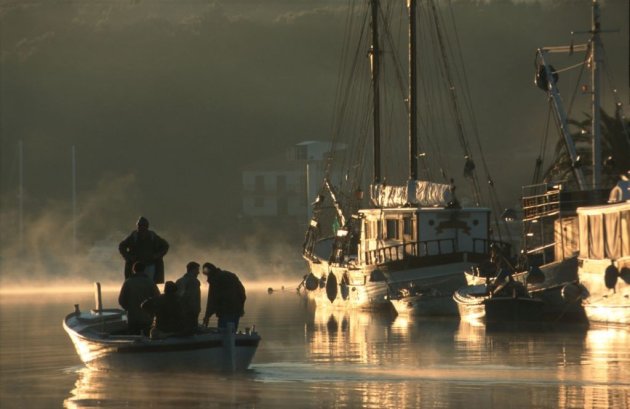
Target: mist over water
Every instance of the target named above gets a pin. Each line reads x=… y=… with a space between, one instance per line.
x=166 y=102
x=45 y=255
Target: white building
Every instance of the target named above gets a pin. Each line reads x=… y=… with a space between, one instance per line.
x=284 y=186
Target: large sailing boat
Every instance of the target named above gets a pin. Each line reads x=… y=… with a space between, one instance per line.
x=410 y=236
x=576 y=234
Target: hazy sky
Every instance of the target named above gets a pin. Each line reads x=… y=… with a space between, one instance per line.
x=166 y=100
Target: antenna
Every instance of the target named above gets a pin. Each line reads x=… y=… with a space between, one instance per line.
x=74 y=200
x=596 y=60
x=21 y=194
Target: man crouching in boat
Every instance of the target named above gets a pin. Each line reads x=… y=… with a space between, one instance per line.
x=167 y=309
x=134 y=291
x=226 y=297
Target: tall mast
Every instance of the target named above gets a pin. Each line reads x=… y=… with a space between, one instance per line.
x=74 y=199
x=596 y=60
x=21 y=194
x=375 y=54
x=413 y=100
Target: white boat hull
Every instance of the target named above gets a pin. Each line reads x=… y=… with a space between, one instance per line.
x=93 y=339
x=426 y=305
x=603 y=304
x=361 y=293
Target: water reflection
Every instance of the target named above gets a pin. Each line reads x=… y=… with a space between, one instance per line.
x=335 y=335
x=161 y=389
x=321 y=358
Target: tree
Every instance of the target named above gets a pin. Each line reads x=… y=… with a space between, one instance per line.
x=615 y=151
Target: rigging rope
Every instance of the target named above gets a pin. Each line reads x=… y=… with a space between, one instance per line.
x=543 y=145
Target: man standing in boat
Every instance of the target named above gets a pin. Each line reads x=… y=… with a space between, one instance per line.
x=226 y=297
x=145 y=246
x=189 y=292
x=135 y=290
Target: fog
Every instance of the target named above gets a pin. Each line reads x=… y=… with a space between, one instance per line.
x=166 y=102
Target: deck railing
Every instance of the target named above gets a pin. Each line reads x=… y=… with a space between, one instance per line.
x=438 y=247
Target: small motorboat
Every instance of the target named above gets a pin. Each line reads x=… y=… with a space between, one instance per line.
x=507 y=302
x=100 y=341
x=418 y=301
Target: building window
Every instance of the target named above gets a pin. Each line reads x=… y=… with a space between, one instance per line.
x=259 y=201
x=259 y=184
x=392 y=228
x=407 y=226
x=281 y=183
x=300 y=152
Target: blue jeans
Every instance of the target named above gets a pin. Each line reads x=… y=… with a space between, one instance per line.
x=227 y=318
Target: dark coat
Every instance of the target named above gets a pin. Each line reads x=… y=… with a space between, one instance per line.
x=134 y=291
x=226 y=295
x=189 y=291
x=149 y=249
x=167 y=309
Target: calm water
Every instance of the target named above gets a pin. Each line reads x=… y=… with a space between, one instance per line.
x=323 y=359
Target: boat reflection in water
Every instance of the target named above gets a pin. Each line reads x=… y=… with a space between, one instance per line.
x=606 y=363
x=571 y=366
x=321 y=359
x=94 y=388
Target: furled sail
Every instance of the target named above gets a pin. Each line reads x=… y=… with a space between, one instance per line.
x=426 y=194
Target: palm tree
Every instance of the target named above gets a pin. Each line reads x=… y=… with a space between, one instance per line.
x=615 y=151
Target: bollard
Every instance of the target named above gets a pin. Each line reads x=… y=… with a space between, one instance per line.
x=98 y=300
x=229 y=348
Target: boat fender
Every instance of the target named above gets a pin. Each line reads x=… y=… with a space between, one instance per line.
x=331 y=287
x=345 y=290
x=574 y=292
x=344 y=286
x=311 y=282
x=610 y=276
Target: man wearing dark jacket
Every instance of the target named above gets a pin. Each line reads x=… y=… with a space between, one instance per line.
x=167 y=309
x=226 y=296
x=189 y=292
x=134 y=291
x=145 y=246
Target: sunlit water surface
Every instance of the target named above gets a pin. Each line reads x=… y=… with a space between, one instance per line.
x=316 y=358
